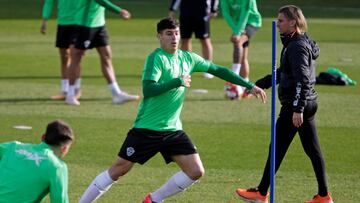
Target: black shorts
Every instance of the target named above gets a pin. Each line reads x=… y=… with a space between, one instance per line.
x=199 y=25
x=65 y=36
x=88 y=38
x=142 y=144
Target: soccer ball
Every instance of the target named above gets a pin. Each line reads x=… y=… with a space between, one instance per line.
x=231 y=91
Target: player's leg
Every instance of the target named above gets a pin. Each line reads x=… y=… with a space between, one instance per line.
x=236 y=62
x=245 y=68
x=104 y=50
x=185 y=33
x=73 y=74
x=139 y=146
x=186 y=44
x=64 y=36
x=207 y=49
x=236 y=65
x=191 y=170
x=207 y=52
x=105 y=180
x=81 y=41
x=107 y=69
x=243 y=39
x=179 y=148
x=64 y=54
x=191 y=165
x=202 y=32
x=65 y=59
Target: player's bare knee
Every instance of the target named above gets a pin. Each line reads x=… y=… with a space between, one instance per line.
x=119 y=168
x=197 y=174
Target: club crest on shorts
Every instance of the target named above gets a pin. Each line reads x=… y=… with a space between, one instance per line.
x=87 y=43
x=130 y=151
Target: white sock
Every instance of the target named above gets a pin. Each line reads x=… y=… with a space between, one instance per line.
x=98 y=187
x=236 y=68
x=114 y=88
x=65 y=85
x=177 y=183
x=71 y=92
x=78 y=83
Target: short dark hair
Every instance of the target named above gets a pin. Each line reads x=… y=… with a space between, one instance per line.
x=58 y=133
x=167 y=23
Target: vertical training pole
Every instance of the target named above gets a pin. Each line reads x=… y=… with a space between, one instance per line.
x=273 y=112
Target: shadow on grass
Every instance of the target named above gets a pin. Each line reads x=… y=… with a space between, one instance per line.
x=17 y=100
x=205 y=99
x=34 y=77
x=36 y=100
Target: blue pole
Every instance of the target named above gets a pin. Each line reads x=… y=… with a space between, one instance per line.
x=273 y=114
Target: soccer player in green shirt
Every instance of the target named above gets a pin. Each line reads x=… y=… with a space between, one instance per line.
x=244 y=19
x=157 y=127
x=31 y=171
x=91 y=33
x=66 y=11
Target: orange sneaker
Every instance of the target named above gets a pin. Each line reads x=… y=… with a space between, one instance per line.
x=252 y=195
x=148 y=199
x=319 y=199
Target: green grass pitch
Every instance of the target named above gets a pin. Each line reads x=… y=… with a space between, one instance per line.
x=232 y=136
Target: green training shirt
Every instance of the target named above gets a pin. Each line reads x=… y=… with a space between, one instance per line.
x=28 y=172
x=91 y=13
x=239 y=13
x=163 y=88
x=162 y=112
x=66 y=10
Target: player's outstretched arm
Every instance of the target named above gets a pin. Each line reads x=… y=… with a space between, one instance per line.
x=230 y=76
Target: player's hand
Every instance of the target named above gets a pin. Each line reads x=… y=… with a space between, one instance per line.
x=186 y=80
x=235 y=38
x=297 y=119
x=125 y=14
x=43 y=27
x=258 y=92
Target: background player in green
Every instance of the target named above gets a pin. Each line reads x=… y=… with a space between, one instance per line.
x=90 y=33
x=157 y=128
x=31 y=171
x=244 y=19
x=66 y=11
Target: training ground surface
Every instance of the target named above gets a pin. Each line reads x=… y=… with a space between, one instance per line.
x=232 y=136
